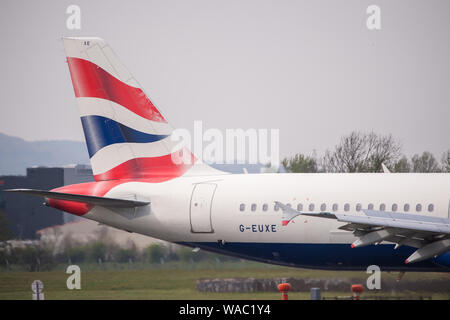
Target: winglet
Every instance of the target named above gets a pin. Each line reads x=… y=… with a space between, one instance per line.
x=288 y=213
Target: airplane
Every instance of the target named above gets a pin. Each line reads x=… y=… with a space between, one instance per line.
x=330 y=221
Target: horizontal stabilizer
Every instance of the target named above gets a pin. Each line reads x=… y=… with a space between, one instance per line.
x=98 y=201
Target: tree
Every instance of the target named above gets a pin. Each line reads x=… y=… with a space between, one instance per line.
x=425 y=163
x=76 y=254
x=187 y=255
x=362 y=152
x=155 y=252
x=402 y=165
x=96 y=251
x=300 y=163
x=125 y=255
x=32 y=258
x=446 y=161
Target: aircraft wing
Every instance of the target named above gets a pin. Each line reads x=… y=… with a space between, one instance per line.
x=94 y=200
x=431 y=235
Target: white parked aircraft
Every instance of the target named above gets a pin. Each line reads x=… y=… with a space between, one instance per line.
x=325 y=221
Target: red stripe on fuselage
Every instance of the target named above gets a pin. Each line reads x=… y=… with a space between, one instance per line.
x=150 y=170
x=89 y=80
x=156 y=169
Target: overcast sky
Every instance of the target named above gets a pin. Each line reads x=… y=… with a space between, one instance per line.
x=310 y=68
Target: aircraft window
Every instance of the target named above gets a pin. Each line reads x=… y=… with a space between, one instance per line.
x=311 y=207
x=382 y=207
x=242 y=207
x=265 y=207
x=323 y=207
x=346 y=207
x=300 y=207
x=394 y=207
x=358 y=207
x=370 y=206
x=430 y=207
x=276 y=207
x=418 y=207
x=253 y=207
x=335 y=207
x=406 y=207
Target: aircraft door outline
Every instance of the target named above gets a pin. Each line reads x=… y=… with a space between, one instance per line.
x=200 y=209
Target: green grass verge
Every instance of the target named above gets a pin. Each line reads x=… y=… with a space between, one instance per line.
x=180 y=284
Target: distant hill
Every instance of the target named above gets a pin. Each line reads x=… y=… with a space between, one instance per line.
x=17 y=154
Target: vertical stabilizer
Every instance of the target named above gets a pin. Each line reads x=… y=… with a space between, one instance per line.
x=126 y=135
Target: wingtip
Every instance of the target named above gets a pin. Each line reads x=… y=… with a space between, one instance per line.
x=15 y=190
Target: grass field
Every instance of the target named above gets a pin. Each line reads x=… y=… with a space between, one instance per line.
x=177 y=283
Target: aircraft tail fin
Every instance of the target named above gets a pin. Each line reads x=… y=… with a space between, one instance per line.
x=126 y=135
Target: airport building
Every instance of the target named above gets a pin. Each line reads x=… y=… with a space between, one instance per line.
x=26 y=214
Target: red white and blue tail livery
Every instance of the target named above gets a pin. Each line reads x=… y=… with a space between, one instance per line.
x=147 y=183
x=127 y=137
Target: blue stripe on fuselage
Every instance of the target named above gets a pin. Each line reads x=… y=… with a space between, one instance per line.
x=322 y=256
x=101 y=132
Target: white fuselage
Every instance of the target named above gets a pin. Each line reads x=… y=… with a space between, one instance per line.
x=239 y=208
